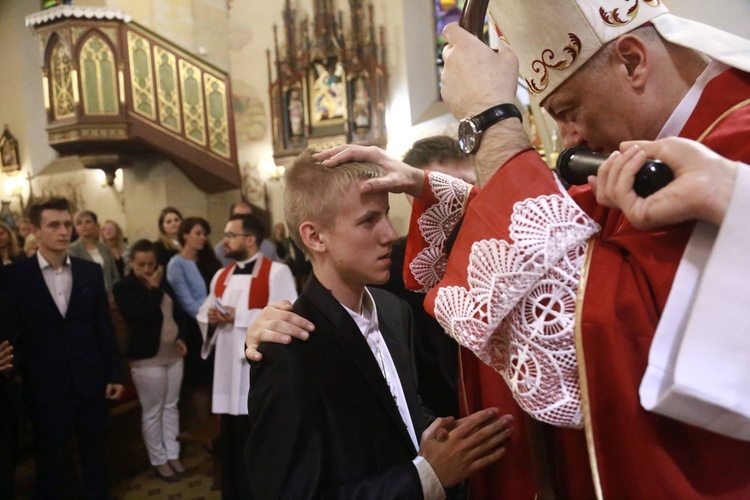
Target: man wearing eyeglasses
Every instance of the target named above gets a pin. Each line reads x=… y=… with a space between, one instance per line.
x=266 y=246
x=238 y=293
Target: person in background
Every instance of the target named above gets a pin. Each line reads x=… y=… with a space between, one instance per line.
x=10 y=398
x=24 y=229
x=88 y=247
x=236 y=295
x=155 y=350
x=71 y=362
x=112 y=235
x=30 y=245
x=10 y=251
x=168 y=243
x=291 y=255
x=189 y=272
x=441 y=153
x=282 y=242
x=11 y=401
x=267 y=247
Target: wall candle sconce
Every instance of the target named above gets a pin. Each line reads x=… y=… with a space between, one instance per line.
x=271 y=170
x=14 y=185
x=107 y=167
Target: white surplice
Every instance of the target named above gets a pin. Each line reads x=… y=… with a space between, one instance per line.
x=231 y=368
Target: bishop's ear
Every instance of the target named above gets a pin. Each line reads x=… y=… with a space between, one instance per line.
x=311 y=237
x=633 y=53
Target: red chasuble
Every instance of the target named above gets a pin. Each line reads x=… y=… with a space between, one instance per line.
x=615 y=449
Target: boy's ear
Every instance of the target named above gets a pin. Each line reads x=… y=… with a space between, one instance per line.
x=311 y=237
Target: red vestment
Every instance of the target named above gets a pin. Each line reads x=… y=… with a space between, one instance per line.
x=629 y=453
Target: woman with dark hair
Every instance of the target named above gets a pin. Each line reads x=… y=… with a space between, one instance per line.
x=189 y=272
x=155 y=350
x=168 y=243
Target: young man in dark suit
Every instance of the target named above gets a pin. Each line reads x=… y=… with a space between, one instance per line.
x=71 y=361
x=338 y=416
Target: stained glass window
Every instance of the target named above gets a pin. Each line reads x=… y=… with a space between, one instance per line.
x=48 y=4
x=446 y=12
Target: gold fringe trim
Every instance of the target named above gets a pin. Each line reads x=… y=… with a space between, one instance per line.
x=465 y=202
x=724 y=115
x=462 y=395
x=585 y=402
x=462 y=380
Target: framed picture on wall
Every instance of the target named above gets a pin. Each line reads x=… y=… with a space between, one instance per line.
x=9 y=152
x=328 y=99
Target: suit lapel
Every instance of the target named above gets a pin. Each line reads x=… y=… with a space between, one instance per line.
x=404 y=365
x=346 y=332
x=78 y=284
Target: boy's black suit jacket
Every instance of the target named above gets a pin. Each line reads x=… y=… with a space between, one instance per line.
x=324 y=423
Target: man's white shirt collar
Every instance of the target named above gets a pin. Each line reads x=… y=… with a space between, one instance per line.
x=367 y=320
x=250 y=260
x=44 y=263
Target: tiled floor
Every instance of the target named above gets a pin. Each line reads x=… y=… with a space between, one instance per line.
x=144 y=483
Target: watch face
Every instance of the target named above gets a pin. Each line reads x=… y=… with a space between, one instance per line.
x=467 y=136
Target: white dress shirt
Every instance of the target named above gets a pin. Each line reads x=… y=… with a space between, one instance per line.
x=59 y=281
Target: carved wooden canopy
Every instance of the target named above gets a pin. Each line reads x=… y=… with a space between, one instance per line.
x=114 y=89
x=330 y=85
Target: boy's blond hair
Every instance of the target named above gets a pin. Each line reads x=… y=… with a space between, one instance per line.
x=312 y=191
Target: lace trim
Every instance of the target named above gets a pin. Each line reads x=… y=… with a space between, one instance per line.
x=518 y=313
x=435 y=225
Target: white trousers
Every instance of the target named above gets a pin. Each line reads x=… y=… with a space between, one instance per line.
x=159 y=392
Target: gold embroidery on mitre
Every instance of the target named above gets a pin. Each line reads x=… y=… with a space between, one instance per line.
x=497 y=29
x=612 y=18
x=547 y=61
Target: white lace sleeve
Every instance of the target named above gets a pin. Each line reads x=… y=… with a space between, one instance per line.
x=517 y=314
x=435 y=225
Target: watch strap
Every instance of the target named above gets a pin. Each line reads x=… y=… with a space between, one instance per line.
x=491 y=116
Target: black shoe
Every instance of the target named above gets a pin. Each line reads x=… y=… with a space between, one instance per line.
x=184 y=473
x=172 y=478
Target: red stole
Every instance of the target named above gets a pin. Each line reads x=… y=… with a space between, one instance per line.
x=258 y=296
